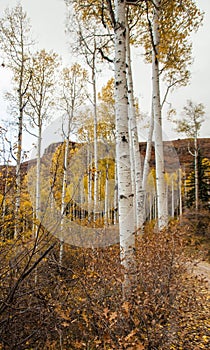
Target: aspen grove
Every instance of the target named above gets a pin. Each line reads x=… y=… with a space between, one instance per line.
x=100 y=232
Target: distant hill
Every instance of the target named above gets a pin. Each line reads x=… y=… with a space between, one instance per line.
x=176 y=154
x=178 y=151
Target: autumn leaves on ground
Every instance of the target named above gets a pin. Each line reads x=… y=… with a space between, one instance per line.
x=79 y=304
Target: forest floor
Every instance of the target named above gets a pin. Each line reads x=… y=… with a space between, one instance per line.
x=202 y=269
x=198 y=249
x=199 y=252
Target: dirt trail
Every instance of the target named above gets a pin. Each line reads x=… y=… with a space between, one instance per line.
x=203 y=269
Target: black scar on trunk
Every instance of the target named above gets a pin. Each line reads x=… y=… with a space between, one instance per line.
x=124 y=139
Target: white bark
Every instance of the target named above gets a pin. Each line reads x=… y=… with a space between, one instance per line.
x=146 y=168
x=18 y=165
x=116 y=212
x=180 y=190
x=95 y=199
x=196 y=172
x=147 y=158
x=136 y=167
x=65 y=168
x=150 y=205
x=172 y=197
x=106 y=217
x=159 y=154
x=82 y=199
x=125 y=194
x=38 y=169
x=89 y=182
x=63 y=193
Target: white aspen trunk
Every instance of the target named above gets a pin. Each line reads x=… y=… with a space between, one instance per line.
x=18 y=160
x=82 y=199
x=38 y=191
x=116 y=213
x=3 y=202
x=133 y=182
x=147 y=158
x=106 y=198
x=125 y=194
x=180 y=191
x=136 y=168
x=196 y=173
x=89 y=183
x=38 y=169
x=20 y=52
x=159 y=154
x=150 y=205
x=148 y=151
x=155 y=207
x=64 y=183
x=63 y=193
x=99 y=186
x=95 y=196
x=185 y=187
x=172 y=197
x=166 y=184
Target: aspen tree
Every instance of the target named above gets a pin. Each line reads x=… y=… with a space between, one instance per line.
x=6 y=179
x=115 y=17
x=41 y=102
x=147 y=158
x=180 y=191
x=134 y=146
x=88 y=44
x=125 y=194
x=90 y=53
x=73 y=91
x=16 y=42
x=159 y=154
x=171 y=56
x=190 y=125
x=107 y=111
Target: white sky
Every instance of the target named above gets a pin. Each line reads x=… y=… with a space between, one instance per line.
x=48 y=25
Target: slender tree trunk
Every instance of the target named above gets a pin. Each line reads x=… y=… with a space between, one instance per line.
x=81 y=199
x=147 y=158
x=159 y=154
x=172 y=197
x=196 y=173
x=95 y=195
x=148 y=151
x=136 y=167
x=38 y=169
x=89 y=182
x=106 y=217
x=38 y=193
x=18 y=162
x=116 y=209
x=155 y=206
x=180 y=191
x=150 y=205
x=3 y=201
x=63 y=193
x=125 y=194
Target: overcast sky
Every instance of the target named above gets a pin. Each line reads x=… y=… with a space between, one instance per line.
x=48 y=24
